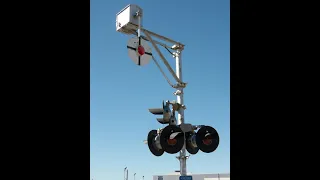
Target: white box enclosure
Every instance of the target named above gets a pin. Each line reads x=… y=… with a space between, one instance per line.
x=126 y=21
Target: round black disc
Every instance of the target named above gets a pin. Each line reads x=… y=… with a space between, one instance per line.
x=201 y=135
x=151 y=143
x=165 y=136
x=190 y=149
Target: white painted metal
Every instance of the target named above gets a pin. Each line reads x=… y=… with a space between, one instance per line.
x=134 y=56
x=182 y=157
x=126 y=21
x=157 y=42
x=145 y=38
x=139 y=14
x=162 y=37
x=162 y=57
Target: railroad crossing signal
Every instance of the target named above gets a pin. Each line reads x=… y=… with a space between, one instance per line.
x=172 y=138
x=177 y=133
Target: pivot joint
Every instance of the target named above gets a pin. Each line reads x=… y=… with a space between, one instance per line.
x=177 y=47
x=180 y=85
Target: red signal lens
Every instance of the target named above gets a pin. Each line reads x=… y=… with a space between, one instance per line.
x=207 y=141
x=141 y=50
x=172 y=142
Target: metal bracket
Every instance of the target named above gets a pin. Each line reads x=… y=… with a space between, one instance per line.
x=186 y=127
x=182 y=157
x=180 y=85
x=138 y=13
x=178 y=92
x=173 y=120
x=178 y=47
x=177 y=106
x=159 y=131
x=195 y=127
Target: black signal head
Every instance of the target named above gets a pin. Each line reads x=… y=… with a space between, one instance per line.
x=152 y=143
x=207 y=139
x=175 y=144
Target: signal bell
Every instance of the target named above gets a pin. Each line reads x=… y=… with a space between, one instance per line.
x=174 y=143
x=207 y=139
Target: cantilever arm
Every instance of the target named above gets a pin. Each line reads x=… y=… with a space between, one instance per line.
x=162 y=57
x=162 y=37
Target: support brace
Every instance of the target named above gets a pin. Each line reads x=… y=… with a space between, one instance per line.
x=163 y=58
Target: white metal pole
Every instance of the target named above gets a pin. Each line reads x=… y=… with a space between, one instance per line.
x=182 y=159
x=139 y=25
x=124 y=173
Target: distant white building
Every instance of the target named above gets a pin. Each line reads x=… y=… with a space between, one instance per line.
x=176 y=175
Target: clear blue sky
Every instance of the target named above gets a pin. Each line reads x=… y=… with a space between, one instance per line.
x=121 y=92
